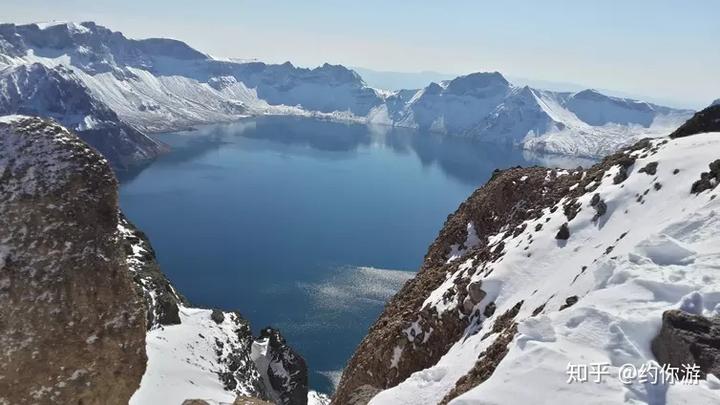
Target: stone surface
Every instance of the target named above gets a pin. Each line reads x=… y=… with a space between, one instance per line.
x=707 y=120
x=72 y=321
x=563 y=232
x=286 y=369
x=688 y=339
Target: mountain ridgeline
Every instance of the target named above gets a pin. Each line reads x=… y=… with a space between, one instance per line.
x=538 y=269
x=113 y=90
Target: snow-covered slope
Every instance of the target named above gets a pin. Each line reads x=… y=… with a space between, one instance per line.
x=161 y=84
x=540 y=269
x=485 y=106
x=56 y=92
x=202 y=353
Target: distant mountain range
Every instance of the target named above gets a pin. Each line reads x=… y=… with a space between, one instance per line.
x=112 y=90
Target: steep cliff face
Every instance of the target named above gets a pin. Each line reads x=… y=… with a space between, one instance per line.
x=87 y=315
x=72 y=325
x=540 y=268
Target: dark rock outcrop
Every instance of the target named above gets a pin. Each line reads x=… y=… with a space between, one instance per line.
x=161 y=298
x=217 y=316
x=72 y=325
x=563 y=233
x=650 y=168
x=688 y=339
x=599 y=205
x=708 y=180
x=707 y=120
x=569 y=301
x=285 y=370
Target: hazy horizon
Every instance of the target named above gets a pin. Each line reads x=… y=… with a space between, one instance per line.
x=661 y=50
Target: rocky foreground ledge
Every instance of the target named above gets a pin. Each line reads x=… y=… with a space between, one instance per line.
x=87 y=316
x=540 y=269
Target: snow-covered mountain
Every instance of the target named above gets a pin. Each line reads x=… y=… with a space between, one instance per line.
x=162 y=84
x=55 y=92
x=541 y=274
x=486 y=106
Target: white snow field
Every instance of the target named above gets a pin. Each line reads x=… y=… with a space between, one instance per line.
x=159 y=85
x=182 y=363
x=665 y=254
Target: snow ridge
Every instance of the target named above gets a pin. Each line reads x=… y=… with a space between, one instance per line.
x=160 y=85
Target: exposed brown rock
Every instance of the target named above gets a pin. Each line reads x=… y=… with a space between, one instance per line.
x=599 y=205
x=476 y=292
x=241 y=400
x=72 y=325
x=161 y=299
x=486 y=364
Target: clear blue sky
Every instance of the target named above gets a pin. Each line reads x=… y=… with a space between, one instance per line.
x=665 y=49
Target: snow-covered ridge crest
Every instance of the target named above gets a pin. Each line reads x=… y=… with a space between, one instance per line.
x=57 y=93
x=162 y=84
x=567 y=267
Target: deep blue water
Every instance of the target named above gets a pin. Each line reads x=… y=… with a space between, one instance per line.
x=280 y=217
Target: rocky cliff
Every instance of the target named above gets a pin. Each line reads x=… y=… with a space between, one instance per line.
x=88 y=316
x=542 y=268
x=72 y=326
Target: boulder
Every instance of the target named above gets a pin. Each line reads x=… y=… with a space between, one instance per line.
x=476 y=292
x=217 y=316
x=688 y=339
x=563 y=232
x=569 y=301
